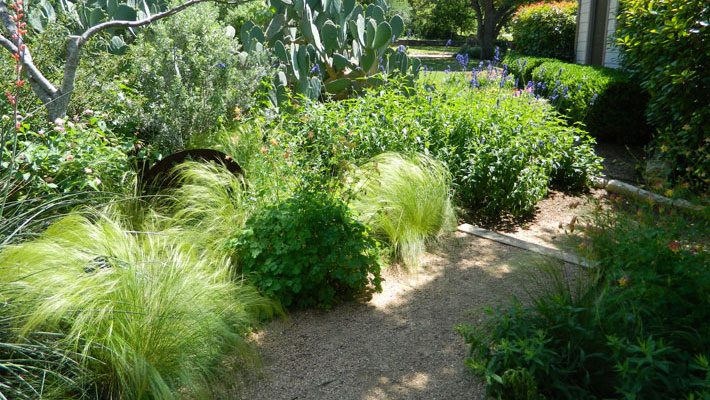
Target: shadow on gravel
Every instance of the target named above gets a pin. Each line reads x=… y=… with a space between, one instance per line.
x=399 y=345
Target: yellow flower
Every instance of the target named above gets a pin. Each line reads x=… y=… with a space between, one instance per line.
x=623 y=281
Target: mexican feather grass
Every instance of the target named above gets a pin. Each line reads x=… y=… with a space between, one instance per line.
x=149 y=317
x=407 y=202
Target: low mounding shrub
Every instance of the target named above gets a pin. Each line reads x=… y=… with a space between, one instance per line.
x=308 y=250
x=406 y=200
x=606 y=100
x=665 y=46
x=502 y=149
x=70 y=156
x=522 y=66
x=145 y=315
x=637 y=327
x=190 y=77
x=546 y=29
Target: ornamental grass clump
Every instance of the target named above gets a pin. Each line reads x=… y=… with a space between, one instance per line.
x=147 y=317
x=210 y=203
x=407 y=202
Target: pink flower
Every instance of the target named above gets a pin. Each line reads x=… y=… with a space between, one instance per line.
x=674 y=246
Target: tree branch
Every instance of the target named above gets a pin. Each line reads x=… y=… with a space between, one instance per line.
x=36 y=78
x=133 y=24
x=505 y=15
x=6 y=43
x=57 y=100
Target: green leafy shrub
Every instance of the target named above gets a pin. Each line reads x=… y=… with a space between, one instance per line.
x=308 y=250
x=70 y=156
x=635 y=328
x=442 y=19
x=406 y=200
x=665 y=46
x=502 y=149
x=607 y=101
x=257 y=12
x=546 y=29
x=190 y=77
x=146 y=316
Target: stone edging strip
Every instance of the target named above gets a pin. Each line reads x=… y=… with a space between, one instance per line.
x=612 y=185
x=522 y=244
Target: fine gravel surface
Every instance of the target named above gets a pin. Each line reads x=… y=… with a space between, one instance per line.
x=399 y=345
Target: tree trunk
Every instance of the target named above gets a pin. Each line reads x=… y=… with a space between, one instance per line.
x=487 y=35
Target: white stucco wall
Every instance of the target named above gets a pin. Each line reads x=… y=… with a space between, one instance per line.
x=584 y=14
x=611 y=52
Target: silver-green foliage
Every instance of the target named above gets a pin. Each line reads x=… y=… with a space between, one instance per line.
x=191 y=76
x=331 y=45
x=148 y=316
x=406 y=200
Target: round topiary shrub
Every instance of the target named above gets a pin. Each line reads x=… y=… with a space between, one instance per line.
x=309 y=251
x=546 y=29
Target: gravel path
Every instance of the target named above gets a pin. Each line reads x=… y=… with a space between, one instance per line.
x=399 y=345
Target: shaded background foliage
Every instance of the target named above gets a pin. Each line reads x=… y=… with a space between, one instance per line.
x=546 y=29
x=666 y=48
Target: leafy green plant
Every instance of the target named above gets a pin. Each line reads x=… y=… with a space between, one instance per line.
x=607 y=101
x=633 y=328
x=147 y=317
x=308 y=250
x=502 y=148
x=665 y=46
x=406 y=200
x=81 y=154
x=546 y=29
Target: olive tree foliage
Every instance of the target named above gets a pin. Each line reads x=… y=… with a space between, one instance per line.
x=492 y=16
x=56 y=96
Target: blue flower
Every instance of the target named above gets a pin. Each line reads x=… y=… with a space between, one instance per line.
x=315 y=69
x=462 y=59
x=474 y=79
x=496 y=55
x=448 y=69
x=594 y=99
x=221 y=65
x=448 y=43
x=401 y=48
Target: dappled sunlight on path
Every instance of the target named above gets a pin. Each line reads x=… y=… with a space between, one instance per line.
x=399 y=345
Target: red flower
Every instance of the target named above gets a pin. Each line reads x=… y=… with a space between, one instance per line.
x=674 y=246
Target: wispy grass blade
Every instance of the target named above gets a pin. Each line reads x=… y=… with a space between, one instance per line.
x=406 y=200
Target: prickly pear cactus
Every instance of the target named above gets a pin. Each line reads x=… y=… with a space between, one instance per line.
x=335 y=46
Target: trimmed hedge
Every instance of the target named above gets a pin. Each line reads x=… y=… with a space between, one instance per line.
x=522 y=66
x=606 y=100
x=546 y=29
